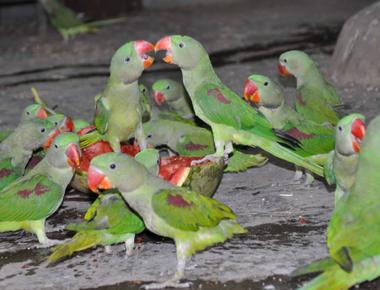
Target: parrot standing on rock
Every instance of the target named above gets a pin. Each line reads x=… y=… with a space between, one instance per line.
x=28 y=201
x=316 y=99
x=173 y=94
x=18 y=147
x=353 y=236
x=268 y=96
x=191 y=219
x=230 y=118
x=342 y=162
x=118 y=117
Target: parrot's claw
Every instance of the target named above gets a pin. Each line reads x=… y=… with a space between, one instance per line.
x=167 y=284
x=211 y=157
x=298 y=175
x=108 y=249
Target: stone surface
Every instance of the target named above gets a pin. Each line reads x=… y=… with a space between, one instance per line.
x=356 y=56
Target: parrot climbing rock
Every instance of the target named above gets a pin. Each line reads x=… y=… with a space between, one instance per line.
x=173 y=94
x=316 y=99
x=18 y=147
x=342 y=162
x=118 y=117
x=192 y=220
x=268 y=96
x=352 y=235
x=28 y=201
x=108 y=221
x=230 y=118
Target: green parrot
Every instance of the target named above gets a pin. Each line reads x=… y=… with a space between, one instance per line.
x=268 y=96
x=230 y=118
x=118 y=117
x=108 y=221
x=28 y=201
x=352 y=235
x=194 y=221
x=17 y=148
x=342 y=162
x=316 y=99
x=79 y=124
x=173 y=94
x=145 y=107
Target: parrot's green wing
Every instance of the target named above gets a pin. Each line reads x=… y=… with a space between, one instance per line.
x=188 y=210
x=30 y=199
x=91 y=212
x=174 y=117
x=240 y=161
x=4 y=134
x=102 y=115
x=198 y=143
x=8 y=172
x=329 y=169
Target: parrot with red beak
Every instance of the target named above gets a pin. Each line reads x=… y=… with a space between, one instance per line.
x=118 y=116
x=268 y=97
x=230 y=118
x=191 y=219
x=27 y=202
x=353 y=238
x=173 y=94
x=316 y=99
x=18 y=147
x=342 y=162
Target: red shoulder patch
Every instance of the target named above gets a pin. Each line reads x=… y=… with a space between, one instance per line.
x=40 y=189
x=5 y=172
x=177 y=201
x=297 y=134
x=218 y=95
x=300 y=100
x=193 y=147
x=24 y=193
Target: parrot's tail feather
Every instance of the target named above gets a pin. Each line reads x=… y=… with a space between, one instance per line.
x=80 y=242
x=287 y=140
x=90 y=138
x=317 y=266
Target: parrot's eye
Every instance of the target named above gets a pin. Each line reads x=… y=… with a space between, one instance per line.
x=340 y=128
x=28 y=113
x=143 y=90
x=112 y=165
x=56 y=123
x=149 y=136
x=127 y=59
x=42 y=130
x=285 y=60
x=56 y=146
x=168 y=87
x=266 y=84
x=181 y=45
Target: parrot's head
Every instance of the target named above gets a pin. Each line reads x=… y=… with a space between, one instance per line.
x=184 y=51
x=62 y=124
x=115 y=170
x=65 y=151
x=37 y=133
x=295 y=63
x=130 y=60
x=349 y=134
x=79 y=124
x=166 y=91
x=262 y=91
x=158 y=132
x=34 y=111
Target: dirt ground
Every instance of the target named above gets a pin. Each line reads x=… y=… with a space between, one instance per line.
x=286 y=222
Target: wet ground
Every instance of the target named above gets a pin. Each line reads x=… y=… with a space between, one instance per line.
x=286 y=222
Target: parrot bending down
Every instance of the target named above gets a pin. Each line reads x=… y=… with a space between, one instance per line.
x=268 y=96
x=173 y=94
x=352 y=235
x=342 y=162
x=108 y=221
x=28 y=201
x=316 y=99
x=230 y=118
x=194 y=221
x=118 y=117
x=18 y=147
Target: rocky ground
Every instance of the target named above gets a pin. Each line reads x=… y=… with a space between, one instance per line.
x=286 y=221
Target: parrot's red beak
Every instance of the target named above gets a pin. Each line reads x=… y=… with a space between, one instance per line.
x=159 y=98
x=165 y=43
x=69 y=125
x=143 y=47
x=41 y=113
x=358 y=129
x=97 y=180
x=73 y=154
x=282 y=70
x=251 y=93
x=51 y=138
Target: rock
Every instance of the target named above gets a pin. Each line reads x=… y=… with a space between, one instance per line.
x=356 y=55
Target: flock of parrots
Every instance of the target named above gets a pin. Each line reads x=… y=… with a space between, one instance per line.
x=156 y=166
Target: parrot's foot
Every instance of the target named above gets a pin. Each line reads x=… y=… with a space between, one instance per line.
x=211 y=157
x=309 y=180
x=167 y=284
x=298 y=175
x=108 y=249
